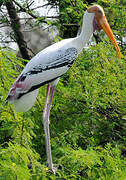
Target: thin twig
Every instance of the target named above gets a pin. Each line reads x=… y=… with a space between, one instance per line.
x=28 y=12
x=40 y=6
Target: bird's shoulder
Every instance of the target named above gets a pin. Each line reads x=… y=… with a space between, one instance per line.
x=54 y=49
x=52 y=54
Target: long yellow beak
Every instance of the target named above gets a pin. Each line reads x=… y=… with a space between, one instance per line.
x=105 y=26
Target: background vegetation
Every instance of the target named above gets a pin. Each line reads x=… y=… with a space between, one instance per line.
x=88 y=116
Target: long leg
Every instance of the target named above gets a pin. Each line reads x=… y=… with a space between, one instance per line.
x=46 y=101
x=46 y=113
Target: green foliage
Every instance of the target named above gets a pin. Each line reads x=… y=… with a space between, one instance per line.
x=94 y=99
x=88 y=116
x=18 y=162
x=71 y=12
x=87 y=121
x=17 y=158
x=93 y=163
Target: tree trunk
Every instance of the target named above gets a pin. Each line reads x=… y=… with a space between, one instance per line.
x=15 y=24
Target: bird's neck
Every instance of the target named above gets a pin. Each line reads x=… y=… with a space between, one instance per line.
x=87 y=29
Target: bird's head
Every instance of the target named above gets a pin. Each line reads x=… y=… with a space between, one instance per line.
x=100 y=22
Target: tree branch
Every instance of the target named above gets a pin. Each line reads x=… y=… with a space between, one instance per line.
x=15 y=24
x=28 y=12
x=47 y=4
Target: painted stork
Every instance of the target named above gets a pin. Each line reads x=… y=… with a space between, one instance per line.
x=50 y=64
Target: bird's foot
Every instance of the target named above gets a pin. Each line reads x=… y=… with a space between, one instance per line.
x=53 y=169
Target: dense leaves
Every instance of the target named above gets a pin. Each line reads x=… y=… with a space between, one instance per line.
x=88 y=115
x=88 y=121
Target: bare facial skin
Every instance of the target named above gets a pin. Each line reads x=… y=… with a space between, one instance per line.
x=99 y=14
x=100 y=22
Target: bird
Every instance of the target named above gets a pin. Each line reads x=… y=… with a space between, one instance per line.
x=50 y=64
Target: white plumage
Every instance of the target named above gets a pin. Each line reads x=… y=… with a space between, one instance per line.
x=28 y=99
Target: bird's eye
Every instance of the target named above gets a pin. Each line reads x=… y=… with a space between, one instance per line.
x=99 y=11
